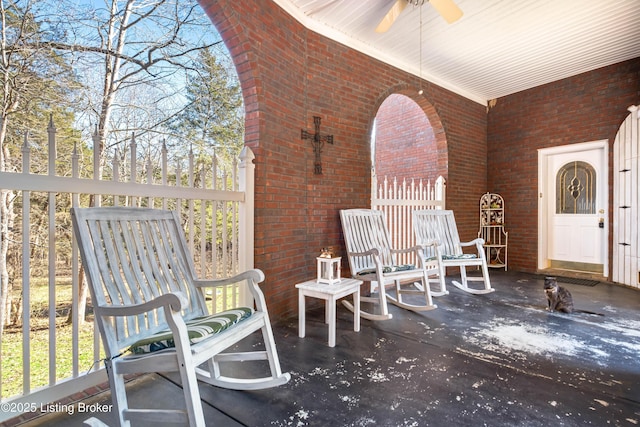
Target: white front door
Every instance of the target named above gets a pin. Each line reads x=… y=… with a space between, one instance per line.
x=573 y=207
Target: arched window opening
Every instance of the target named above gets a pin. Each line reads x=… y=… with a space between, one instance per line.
x=403 y=141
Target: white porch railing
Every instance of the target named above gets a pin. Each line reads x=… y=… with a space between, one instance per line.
x=217 y=211
x=398 y=201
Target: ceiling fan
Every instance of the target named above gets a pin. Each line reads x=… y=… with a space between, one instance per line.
x=446 y=8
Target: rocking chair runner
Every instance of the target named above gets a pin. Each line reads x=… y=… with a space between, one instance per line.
x=151 y=312
x=372 y=259
x=433 y=224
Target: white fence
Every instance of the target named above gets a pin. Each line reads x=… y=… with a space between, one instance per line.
x=399 y=200
x=217 y=212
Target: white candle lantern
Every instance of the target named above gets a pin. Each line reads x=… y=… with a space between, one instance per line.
x=328 y=270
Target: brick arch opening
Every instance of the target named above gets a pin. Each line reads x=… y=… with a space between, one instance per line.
x=409 y=140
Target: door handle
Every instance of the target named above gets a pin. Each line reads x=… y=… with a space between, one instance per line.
x=601 y=223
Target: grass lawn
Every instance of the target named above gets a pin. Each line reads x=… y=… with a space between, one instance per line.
x=12 y=340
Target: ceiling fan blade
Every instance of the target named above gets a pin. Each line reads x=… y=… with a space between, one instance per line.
x=391 y=16
x=448 y=9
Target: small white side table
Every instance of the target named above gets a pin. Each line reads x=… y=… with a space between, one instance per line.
x=331 y=294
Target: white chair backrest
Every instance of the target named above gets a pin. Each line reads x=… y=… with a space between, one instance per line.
x=434 y=224
x=365 y=229
x=130 y=256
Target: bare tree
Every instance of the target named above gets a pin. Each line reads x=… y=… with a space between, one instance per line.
x=131 y=46
x=32 y=79
x=134 y=57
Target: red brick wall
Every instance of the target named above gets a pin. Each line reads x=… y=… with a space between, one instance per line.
x=290 y=74
x=405 y=142
x=586 y=107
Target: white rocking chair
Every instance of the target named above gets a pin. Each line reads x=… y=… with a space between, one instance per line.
x=433 y=224
x=372 y=259
x=151 y=312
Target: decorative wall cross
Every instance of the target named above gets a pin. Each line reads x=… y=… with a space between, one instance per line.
x=317 y=140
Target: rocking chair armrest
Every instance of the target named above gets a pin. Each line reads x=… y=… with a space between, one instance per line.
x=252 y=277
x=406 y=250
x=432 y=242
x=478 y=242
x=421 y=248
x=255 y=275
x=373 y=252
x=174 y=301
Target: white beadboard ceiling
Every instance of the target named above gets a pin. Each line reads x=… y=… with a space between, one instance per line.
x=497 y=48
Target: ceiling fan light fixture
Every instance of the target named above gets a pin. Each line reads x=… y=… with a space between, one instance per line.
x=447 y=9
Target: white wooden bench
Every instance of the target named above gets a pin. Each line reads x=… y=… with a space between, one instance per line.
x=372 y=259
x=440 y=225
x=151 y=313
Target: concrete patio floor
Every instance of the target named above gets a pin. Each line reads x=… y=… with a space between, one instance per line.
x=496 y=360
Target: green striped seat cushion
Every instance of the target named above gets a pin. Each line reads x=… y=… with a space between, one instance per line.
x=388 y=269
x=454 y=257
x=460 y=256
x=198 y=328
